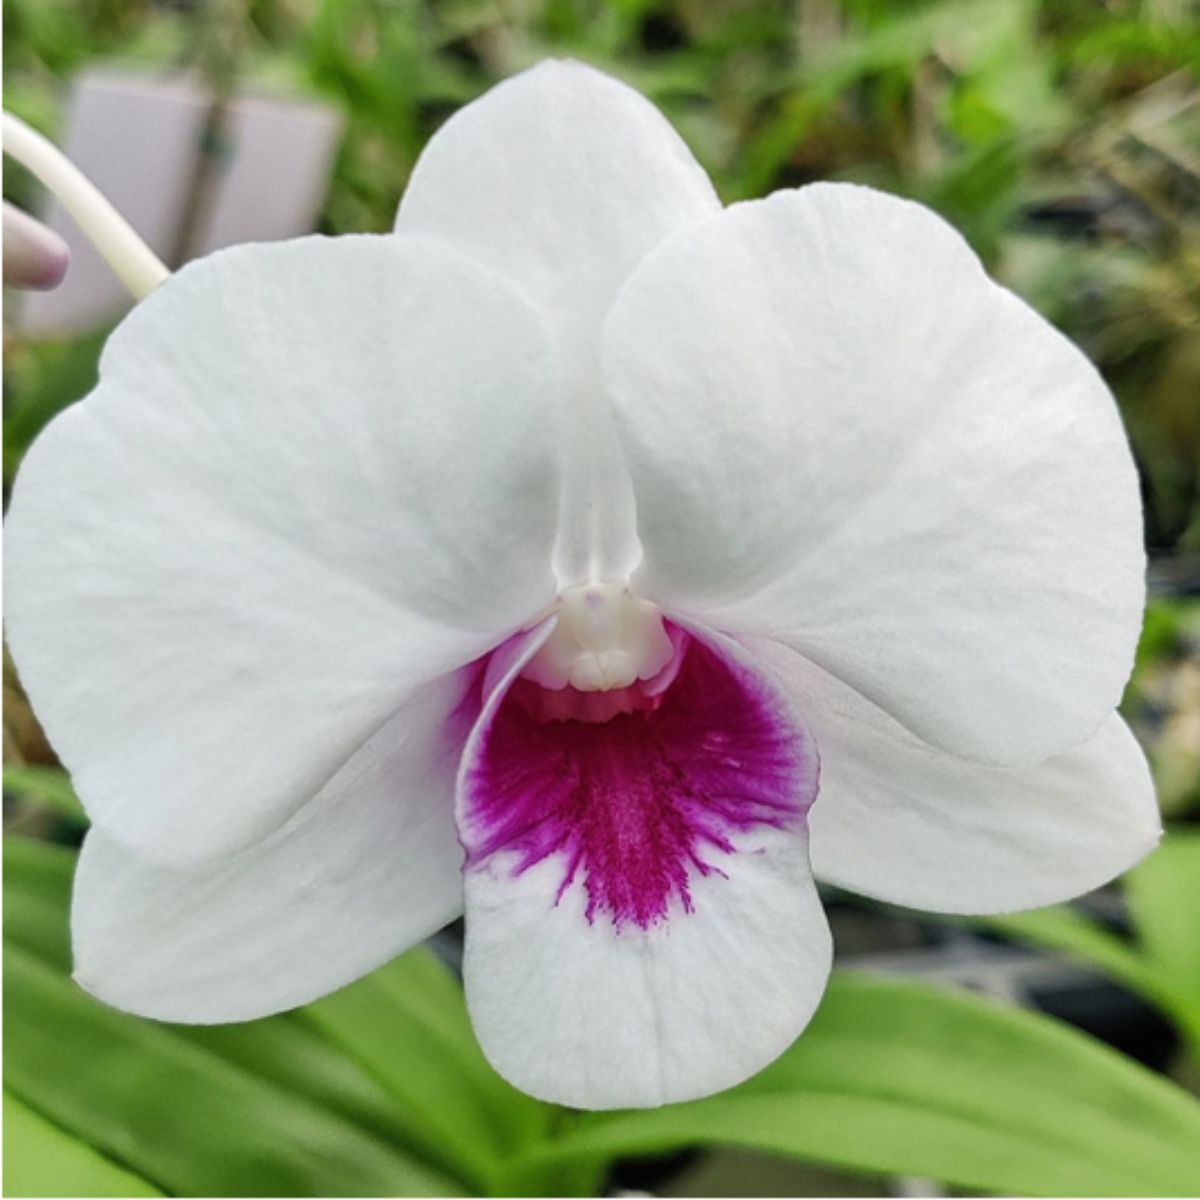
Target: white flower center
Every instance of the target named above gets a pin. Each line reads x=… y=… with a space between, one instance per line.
x=606 y=638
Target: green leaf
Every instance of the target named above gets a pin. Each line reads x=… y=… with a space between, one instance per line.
x=1163 y=964
x=1090 y=944
x=37 y=890
x=41 y=1160
x=177 y=1114
x=407 y=1025
x=49 y=787
x=908 y=1079
x=286 y=1051
x=289 y=1053
x=1163 y=893
x=281 y=1052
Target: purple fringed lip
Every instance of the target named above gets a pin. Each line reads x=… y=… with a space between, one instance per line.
x=636 y=804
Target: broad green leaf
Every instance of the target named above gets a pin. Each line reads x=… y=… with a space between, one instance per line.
x=41 y=1160
x=407 y=1025
x=1163 y=893
x=286 y=1051
x=37 y=889
x=192 y=1122
x=289 y=1053
x=281 y=1051
x=908 y=1079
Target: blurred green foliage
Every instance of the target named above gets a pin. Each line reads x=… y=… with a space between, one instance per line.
x=1062 y=137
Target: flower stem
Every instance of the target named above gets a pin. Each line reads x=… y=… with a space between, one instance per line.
x=133 y=262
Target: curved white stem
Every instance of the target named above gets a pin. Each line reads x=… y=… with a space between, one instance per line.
x=133 y=262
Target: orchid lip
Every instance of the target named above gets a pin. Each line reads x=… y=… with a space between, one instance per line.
x=636 y=792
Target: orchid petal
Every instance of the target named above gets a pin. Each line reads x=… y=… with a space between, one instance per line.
x=844 y=436
x=642 y=925
x=368 y=868
x=315 y=476
x=562 y=178
x=903 y=822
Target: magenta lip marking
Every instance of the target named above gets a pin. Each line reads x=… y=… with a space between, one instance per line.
x=640 y=802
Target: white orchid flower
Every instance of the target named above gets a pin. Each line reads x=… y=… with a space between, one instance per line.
x=527 y=561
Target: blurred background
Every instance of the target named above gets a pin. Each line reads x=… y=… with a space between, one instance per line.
x=1062 y=138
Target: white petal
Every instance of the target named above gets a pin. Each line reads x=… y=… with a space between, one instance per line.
x=577 y=1006
x=903 y=822
x=314 y=476
x=845 y=436
x=563 y=178
x=581 y=1015
x=367 y=869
